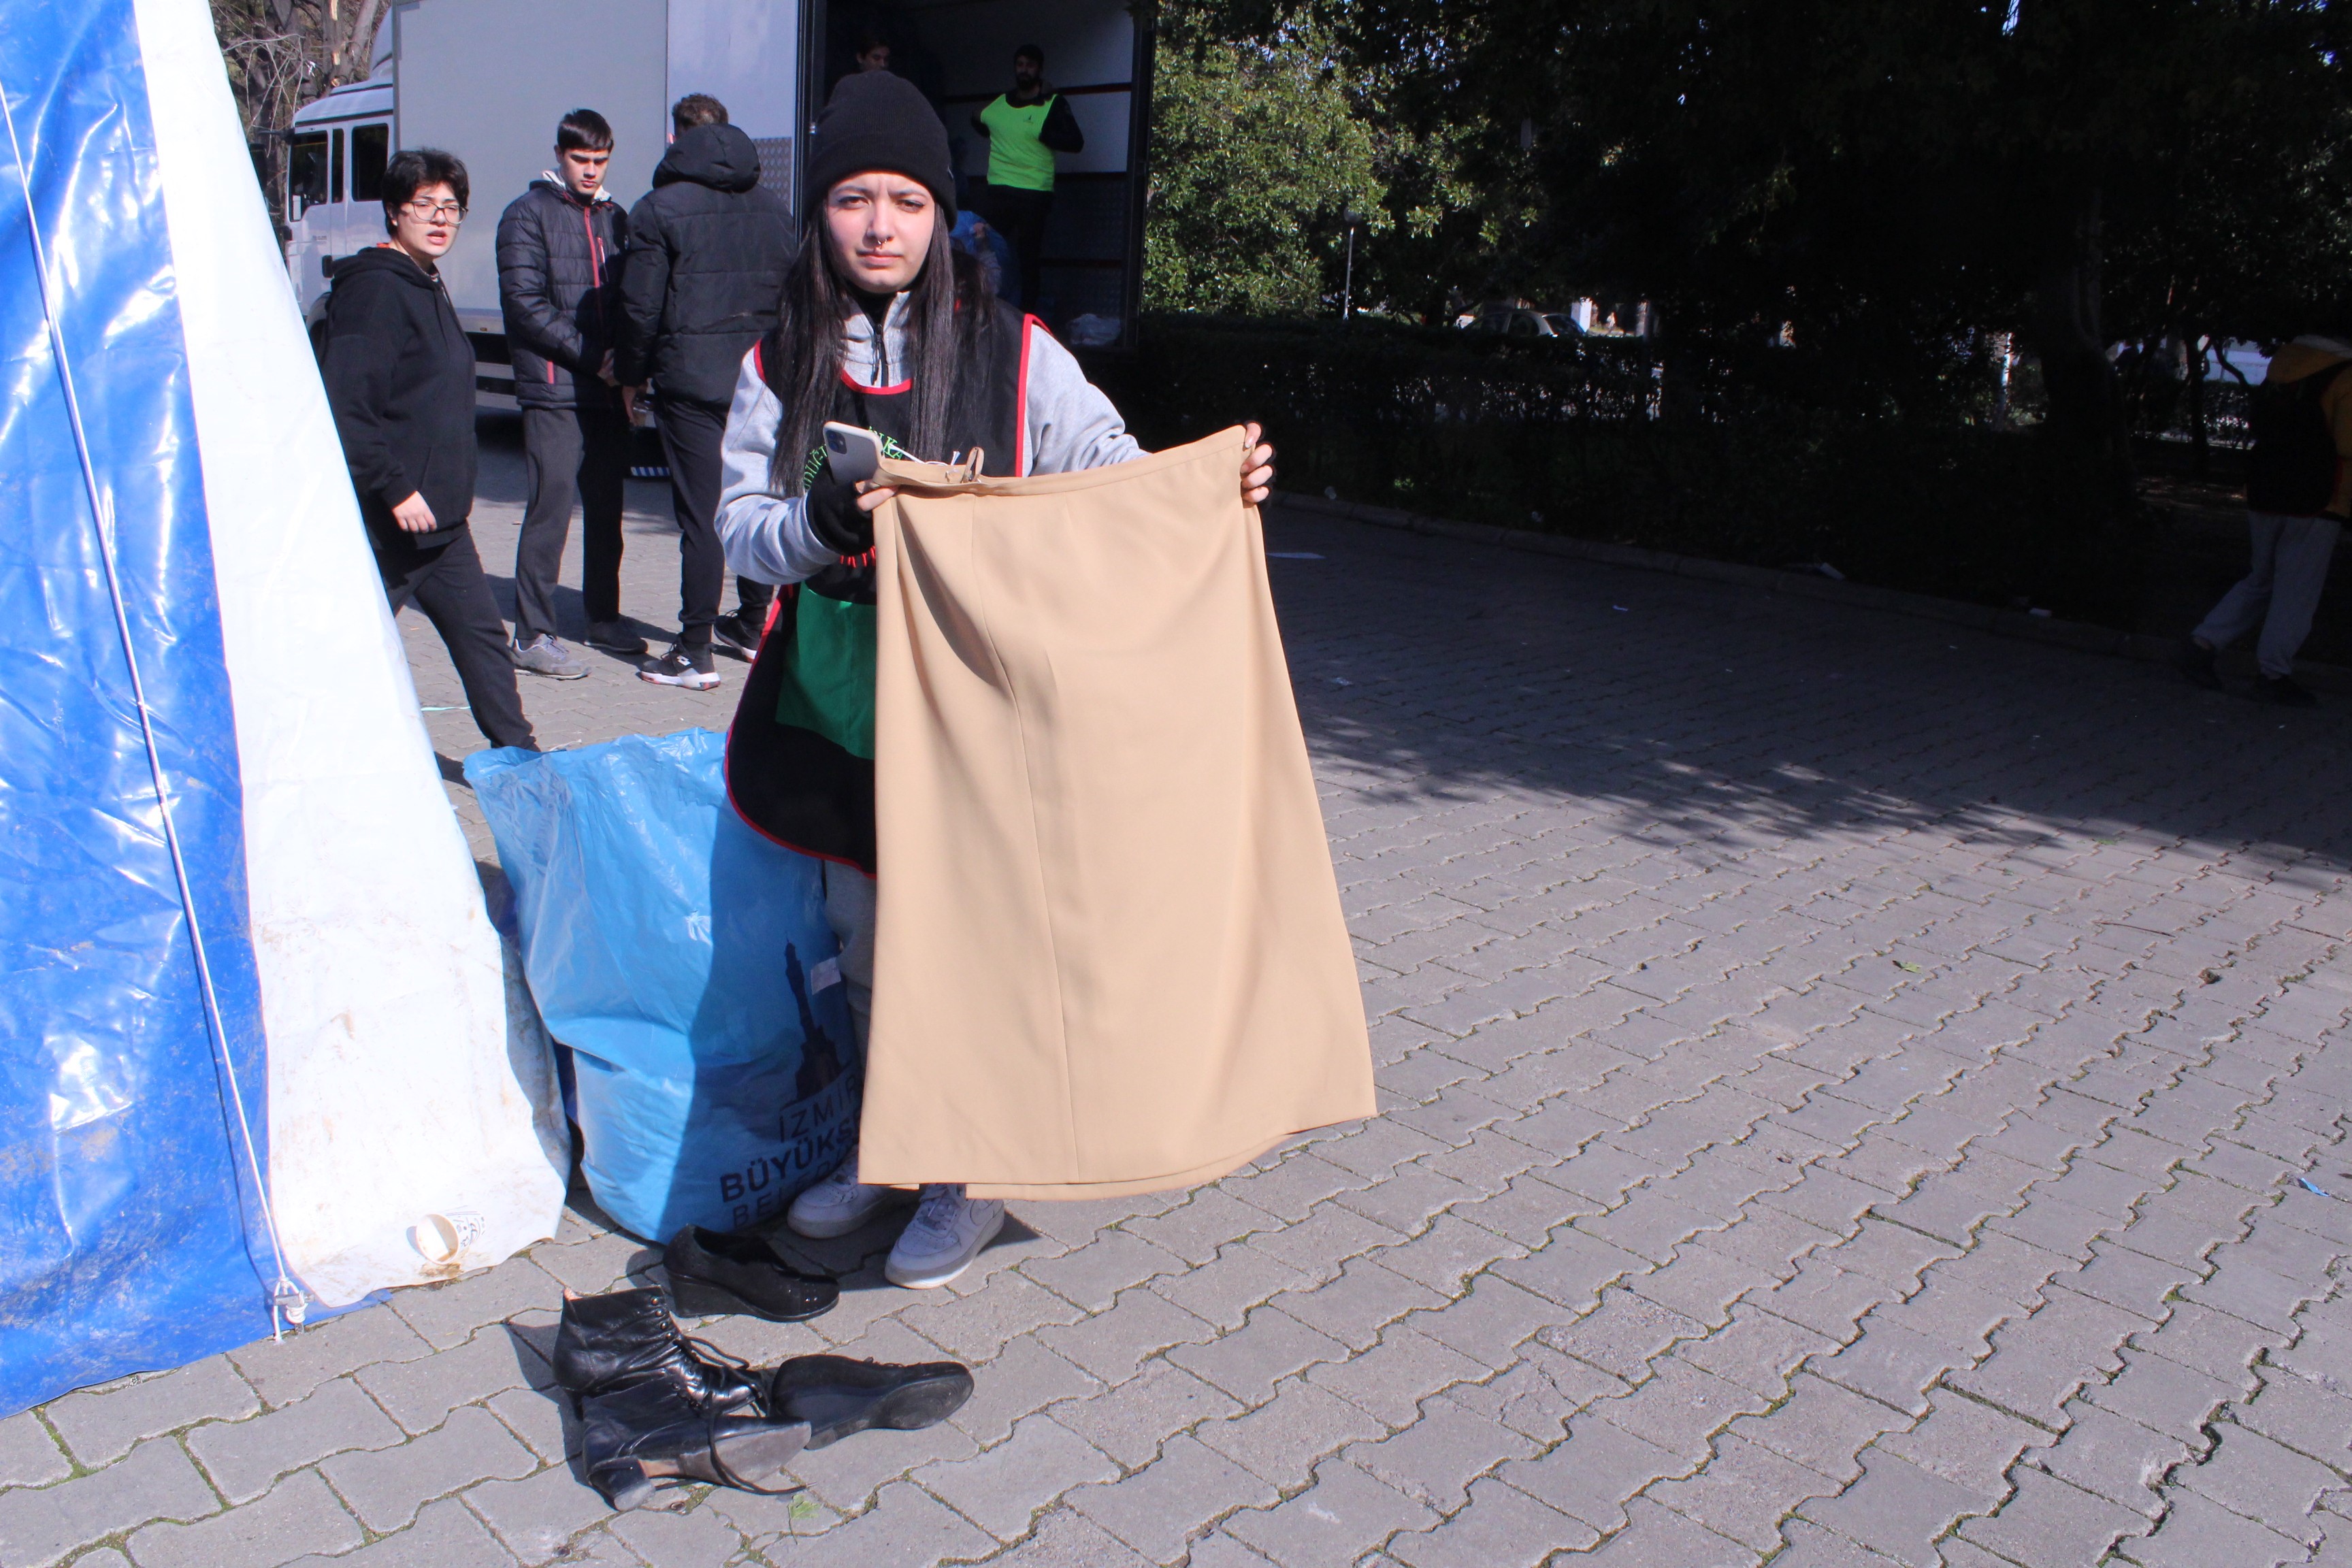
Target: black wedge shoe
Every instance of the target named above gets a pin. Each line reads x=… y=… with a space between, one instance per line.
x=838 y=1396
x=616 y=1341
x=712 y=1274
x=640 y=1438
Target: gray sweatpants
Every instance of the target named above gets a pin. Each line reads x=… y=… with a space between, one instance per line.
x=849 y=910
x=2281 y=593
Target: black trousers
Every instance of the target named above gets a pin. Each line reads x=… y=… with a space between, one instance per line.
x=571 y=454
x=446 y=581
x=690 y=434
x=1019 y=214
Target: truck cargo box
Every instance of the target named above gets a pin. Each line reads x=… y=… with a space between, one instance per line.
x=489 y=80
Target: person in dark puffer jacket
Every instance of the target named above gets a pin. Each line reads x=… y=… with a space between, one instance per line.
x=400 y=379
x=709 y=249
x=560 y=249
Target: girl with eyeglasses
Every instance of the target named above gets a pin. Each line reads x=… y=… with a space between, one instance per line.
x=400 y=376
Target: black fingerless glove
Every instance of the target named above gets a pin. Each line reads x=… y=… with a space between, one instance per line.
x=840 y=524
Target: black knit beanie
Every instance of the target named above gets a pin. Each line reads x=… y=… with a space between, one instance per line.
x=877 y=121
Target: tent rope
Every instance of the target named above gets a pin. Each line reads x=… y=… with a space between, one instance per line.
x=287 y=1301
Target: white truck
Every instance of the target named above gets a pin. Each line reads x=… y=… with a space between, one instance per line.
x=487 y=80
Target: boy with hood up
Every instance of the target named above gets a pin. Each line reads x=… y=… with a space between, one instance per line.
x=709 y=247
x=2299 y=495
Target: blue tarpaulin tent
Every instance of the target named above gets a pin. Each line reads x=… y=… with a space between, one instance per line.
x=256 y=1025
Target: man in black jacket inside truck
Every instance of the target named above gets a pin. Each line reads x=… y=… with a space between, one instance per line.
x=560 y=245
x=400 y=378
x=707 y=252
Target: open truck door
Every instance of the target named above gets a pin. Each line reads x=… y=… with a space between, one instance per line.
x=961 y=54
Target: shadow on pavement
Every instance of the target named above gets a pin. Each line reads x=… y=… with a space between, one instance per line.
x=1716 y=722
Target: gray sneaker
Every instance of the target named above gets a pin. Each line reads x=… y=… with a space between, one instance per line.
x=841 y=1203
x=947 y=1233
x=545 y=656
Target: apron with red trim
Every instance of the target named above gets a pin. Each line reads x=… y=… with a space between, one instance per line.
x=800 y=755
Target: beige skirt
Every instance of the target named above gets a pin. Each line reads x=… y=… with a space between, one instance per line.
x=1109 y=956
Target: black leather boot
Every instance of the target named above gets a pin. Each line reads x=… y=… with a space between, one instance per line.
x=640 y=1438
x=615 y=1341
x=838 y=1396
x=712 y=1273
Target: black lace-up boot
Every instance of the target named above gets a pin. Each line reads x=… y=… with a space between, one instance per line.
x=650 y=1434
x=608 y=1344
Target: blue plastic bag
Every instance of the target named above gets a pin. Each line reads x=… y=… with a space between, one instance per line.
x=686 y=963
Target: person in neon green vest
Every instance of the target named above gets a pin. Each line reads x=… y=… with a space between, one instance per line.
x=1024 y=128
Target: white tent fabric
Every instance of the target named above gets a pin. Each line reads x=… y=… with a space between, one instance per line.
x=408 y=1074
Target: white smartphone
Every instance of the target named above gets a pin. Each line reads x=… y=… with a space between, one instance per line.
x=854 y=453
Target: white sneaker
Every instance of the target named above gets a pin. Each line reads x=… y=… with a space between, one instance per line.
x=946 y=1234
x=841 y=1203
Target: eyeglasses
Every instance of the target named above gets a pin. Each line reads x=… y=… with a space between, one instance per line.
x=427 y=212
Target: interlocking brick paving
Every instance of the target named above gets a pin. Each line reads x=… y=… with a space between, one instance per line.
x=1854 y=1092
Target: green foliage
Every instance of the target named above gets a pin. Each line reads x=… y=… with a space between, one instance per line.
x=1898 y=166
x=1883 y=186
x=1258 y=156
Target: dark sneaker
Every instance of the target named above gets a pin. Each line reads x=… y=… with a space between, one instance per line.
x=2285 y=691
x=736 y=634
x=614 y=637
x=691 y=667
x=2195 y=661
x=545 y=656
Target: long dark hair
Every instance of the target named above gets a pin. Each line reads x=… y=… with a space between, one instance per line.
x=948 y=327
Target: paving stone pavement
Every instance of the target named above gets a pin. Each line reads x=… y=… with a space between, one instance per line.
x=1854 y=1092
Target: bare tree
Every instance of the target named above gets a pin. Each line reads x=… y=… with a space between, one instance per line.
x=282 y=53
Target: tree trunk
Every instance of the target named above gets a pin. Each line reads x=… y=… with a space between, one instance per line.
x=352 y=49
x=2087 y=414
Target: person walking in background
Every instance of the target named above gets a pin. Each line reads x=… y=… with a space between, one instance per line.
x=1026 y=127
x=560 y=245
x=709 y=249
x=400 y=378
x=2299 y=494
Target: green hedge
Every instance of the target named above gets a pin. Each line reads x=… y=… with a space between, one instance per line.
x=1568 y=438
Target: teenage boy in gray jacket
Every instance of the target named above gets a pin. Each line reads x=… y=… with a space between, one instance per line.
x=560 y=247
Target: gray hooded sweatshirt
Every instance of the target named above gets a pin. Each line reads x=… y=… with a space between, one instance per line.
x=1067 y=424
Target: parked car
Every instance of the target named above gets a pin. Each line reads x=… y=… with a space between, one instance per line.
x=1522 y=321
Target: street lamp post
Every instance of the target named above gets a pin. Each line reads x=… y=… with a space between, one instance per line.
x=1348 y=287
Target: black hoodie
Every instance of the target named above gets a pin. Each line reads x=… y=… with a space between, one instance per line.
x=709 y=249
x=400 y=377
